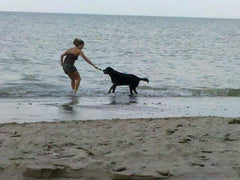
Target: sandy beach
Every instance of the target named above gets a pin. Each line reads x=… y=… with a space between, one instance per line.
x=167 y=148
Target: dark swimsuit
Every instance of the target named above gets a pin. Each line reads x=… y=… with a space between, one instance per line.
x=68 y=65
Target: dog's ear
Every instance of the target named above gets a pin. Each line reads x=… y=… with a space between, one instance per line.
x=108 y=70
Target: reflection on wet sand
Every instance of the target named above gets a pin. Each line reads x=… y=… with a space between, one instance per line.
x=114 y=100
x=69 y=106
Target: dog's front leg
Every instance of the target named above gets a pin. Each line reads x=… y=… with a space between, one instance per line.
x=114 y=87
x=110 y=89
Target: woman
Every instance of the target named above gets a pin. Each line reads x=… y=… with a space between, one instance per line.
x=68 y=63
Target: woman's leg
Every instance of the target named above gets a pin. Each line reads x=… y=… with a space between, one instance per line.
x=72 y=81
x=77 y=78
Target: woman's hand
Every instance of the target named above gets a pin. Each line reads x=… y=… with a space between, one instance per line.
x=95 y=67
x=98 y=68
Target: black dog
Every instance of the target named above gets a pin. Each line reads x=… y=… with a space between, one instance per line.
x=120 y=79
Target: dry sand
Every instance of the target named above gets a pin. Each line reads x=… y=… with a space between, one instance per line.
x=148 y=149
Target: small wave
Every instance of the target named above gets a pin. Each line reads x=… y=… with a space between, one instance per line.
x=32 y=90
x=30 y=78
x=184 y=92
x=21 y=90
x=217 y=92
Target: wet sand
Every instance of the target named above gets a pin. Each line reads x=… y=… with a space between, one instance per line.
x=114 y=107
x=142 y=149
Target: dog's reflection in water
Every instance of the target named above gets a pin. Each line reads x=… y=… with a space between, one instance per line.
x=69 y=106
x=122 y=101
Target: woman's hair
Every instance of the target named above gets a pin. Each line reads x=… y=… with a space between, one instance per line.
x=78 y=42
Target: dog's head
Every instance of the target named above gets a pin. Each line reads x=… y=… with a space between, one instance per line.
x=108 y=70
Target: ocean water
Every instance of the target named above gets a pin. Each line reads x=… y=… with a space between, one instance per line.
x=182 y=57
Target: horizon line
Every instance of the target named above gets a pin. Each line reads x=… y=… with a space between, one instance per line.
x=102 y=14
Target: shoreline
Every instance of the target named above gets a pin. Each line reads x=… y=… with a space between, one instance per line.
x=162 y=148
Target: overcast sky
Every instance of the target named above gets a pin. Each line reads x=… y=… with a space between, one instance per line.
x=182 y=8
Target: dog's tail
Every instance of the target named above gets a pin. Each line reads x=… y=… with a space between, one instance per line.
x=144 y=79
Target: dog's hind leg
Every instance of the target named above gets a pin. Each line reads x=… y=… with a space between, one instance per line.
x=131 y=90
x=135 y=90
x=134 y=86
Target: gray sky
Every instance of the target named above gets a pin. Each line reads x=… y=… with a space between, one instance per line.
x=185 y=8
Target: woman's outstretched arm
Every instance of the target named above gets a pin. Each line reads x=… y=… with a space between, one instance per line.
x=87 y=60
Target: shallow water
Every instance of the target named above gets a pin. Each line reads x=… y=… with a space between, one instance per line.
x=186 y=57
